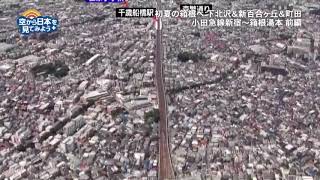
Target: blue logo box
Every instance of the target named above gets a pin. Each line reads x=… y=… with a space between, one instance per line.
x=45 y=24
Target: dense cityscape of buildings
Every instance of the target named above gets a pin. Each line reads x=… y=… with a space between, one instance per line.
x=250 y=111
x=88 y=124
x=81 y=103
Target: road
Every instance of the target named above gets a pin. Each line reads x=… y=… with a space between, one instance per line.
x=165 y=164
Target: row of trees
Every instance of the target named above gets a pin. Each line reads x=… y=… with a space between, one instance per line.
x=58 y=69
x=194 y=56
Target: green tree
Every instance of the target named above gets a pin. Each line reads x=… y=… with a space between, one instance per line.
x=152 y=116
